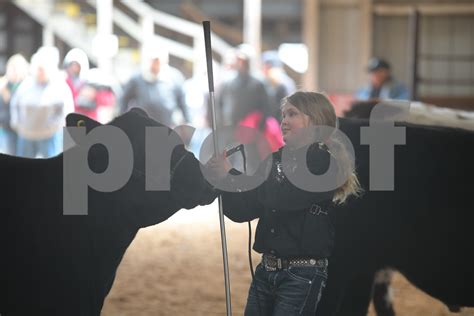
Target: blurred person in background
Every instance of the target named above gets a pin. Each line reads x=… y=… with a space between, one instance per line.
x=40 y=105
x=228 y=69
x=243 y=93
x=278 y=83
x=16 y=70
x=76 y=64
x=243 y=100
x=157 y=88
x=92 y=91
x=196 y=93
x=226 y=72
x=382 y=84
x=98 y=97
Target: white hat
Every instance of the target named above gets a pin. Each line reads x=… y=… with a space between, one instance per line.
x=79 y=56
x=47 y=57
x=154 y=48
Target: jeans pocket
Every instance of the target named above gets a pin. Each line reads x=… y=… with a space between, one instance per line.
x=261 y=275
x=303 y=274
x=259 y=270
x=322 y=272
x=313 y=298
x=319 y=295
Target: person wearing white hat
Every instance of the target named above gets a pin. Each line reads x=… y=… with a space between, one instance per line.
x=17 y=70
x=76 y=64
x=40 y=105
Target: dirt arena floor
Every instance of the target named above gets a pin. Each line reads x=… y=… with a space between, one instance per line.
x=175 y=268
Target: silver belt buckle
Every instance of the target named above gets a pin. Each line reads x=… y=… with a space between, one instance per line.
x=323 y=263
x=270 y=263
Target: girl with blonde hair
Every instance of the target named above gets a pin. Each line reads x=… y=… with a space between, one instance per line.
x=295 y=232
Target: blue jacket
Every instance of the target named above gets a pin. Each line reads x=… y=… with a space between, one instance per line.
x=390 y=90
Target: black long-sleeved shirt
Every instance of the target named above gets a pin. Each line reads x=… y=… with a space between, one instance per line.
x=292 y=222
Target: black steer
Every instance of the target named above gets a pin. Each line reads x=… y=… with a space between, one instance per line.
x=423 y=228
x=52 y=264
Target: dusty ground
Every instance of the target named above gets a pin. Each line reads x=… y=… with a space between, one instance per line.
x=175 y=268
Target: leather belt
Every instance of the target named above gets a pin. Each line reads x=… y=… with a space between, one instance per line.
x=273 y=263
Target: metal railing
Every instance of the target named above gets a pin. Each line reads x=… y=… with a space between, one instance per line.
x=150 y=16
x=140 y=29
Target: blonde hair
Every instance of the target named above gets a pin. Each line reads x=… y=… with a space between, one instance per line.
x=321 y=113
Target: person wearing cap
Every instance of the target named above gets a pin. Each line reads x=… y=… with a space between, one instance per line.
x=382 y=85
x=40 y=105
x=91 y=89
x=76 y=64
x=277 y=82
x=242 y=94
x=157 y=88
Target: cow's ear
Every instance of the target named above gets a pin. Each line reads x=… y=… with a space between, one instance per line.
x=79 y=120
x=139 y=111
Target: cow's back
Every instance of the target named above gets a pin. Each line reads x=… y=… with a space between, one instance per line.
x=435 y=252
x=422 y=227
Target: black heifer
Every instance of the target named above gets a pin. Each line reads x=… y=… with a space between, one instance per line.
x=53 y=264
x=423 y=228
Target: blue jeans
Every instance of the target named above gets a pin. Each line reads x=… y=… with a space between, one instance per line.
x=293 y=291
x=7 y=141
x=32 y=148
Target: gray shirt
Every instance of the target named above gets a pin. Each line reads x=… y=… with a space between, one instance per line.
x=38 y=111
